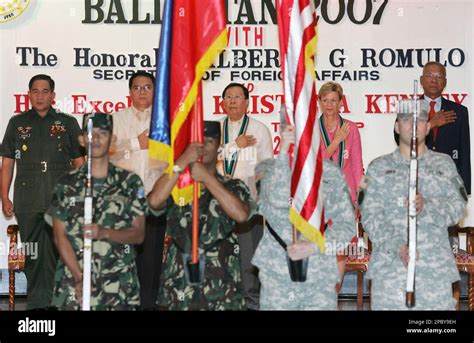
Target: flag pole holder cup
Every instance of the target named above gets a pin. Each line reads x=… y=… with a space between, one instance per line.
x=194 y=272
x=298 y=269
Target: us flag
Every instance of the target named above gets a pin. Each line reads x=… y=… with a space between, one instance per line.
x=297 y=36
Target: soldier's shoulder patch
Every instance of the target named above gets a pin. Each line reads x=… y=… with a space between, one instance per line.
x=141 y=193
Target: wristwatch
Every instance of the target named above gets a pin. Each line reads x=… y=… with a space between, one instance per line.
x=177 y=169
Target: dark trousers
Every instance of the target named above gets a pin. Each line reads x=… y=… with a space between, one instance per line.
x=41 y=258
x=249 y=235
x=149 y=260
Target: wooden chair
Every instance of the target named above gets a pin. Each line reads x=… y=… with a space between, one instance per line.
x=465 y=263
x=16 y=262
x=356 y=262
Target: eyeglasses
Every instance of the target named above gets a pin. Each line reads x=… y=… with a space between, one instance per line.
x=40 y=91
x=236 y=98
x=145 y=88
x=436 y=77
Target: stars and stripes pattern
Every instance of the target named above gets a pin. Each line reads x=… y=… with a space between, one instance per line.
x=297 y=36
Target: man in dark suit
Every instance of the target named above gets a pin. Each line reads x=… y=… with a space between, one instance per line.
x=449 y=121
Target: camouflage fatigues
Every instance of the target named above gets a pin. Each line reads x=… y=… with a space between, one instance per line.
x=222 y=285
x=114 y=274
x=318 y=292
x=384 y=215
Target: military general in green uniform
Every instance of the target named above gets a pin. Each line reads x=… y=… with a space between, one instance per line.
x=42 y=142
x=223 y=203
x=119 y=208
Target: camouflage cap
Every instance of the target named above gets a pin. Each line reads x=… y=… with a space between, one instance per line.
x=99 y=120
x=406 y=109
x=212 y=129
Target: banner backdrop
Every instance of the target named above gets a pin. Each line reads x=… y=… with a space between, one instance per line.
x=374 y=48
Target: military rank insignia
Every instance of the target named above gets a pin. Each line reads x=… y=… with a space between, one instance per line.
x=57 y=127
x=24 y=132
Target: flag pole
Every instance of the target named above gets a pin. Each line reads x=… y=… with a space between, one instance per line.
x=197 y=137
x=294 y=231
x=283 y=124
x=88 y=215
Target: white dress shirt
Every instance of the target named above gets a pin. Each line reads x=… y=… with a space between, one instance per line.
x=428 y=100
x=129 y=123
x=250 y=156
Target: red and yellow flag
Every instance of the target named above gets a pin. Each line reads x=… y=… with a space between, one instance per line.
x=193 y=34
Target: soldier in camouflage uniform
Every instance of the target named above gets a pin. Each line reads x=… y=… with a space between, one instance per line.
x=118 y=223
x=318 y=292
x=223 y=203
x=42 y=143
x=440 y=203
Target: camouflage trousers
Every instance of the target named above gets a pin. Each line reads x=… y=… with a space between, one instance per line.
x=388 y=292
x=278 y=292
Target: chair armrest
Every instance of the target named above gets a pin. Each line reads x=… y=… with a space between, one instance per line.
x=469 y=231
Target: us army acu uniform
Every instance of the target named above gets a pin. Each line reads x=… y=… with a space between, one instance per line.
x=318 y=292
x=43 y=149
x=118 y=200
x=218 y=245
x=384 y=216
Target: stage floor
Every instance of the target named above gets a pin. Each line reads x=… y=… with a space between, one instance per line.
x=344 y=304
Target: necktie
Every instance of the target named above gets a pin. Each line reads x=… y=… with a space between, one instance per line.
x=431 y=114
